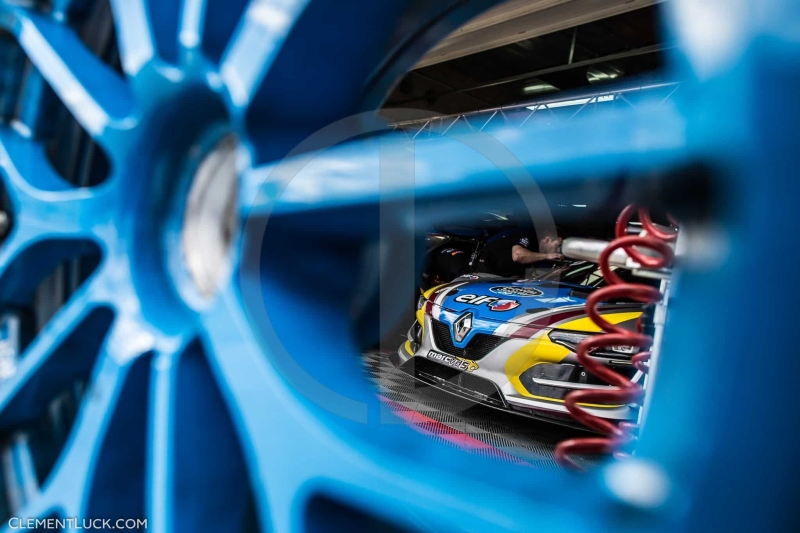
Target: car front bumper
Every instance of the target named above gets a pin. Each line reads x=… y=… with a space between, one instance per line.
x=486 y=385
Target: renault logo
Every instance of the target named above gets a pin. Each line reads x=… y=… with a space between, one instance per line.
x=461 y=326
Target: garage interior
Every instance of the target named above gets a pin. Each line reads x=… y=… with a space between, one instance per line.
x=521 y=63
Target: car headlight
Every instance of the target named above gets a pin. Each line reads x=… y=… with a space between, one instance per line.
x=420 y=302
x=627 y=350
x=567 y=338
x=571 y=339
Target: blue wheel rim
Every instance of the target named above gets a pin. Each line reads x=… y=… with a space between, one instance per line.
x=260 y=391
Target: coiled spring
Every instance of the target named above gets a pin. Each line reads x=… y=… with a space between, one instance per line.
x=616 y=437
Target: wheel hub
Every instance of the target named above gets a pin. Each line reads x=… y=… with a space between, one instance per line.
x=209 y=220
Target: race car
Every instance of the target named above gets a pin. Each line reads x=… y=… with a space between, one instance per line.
x=511 y=344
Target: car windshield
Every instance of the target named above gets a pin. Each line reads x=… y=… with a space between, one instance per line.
x=589 y=275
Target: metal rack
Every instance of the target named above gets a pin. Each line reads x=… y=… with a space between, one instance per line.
x=518 y=115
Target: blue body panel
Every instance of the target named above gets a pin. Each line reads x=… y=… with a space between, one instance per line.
x=518 y=298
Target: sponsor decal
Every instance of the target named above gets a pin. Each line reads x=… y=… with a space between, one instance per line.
x=468 y=276
x=494 y=303
x=517 y=291
x=474 y=299
x=503 y=305
x=560 y=300
x=452 y=251
x=464 y=365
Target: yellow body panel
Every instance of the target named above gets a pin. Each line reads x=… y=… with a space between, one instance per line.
x=585 y=324
x=427 y=293
x=420 y=314
x=543 y=350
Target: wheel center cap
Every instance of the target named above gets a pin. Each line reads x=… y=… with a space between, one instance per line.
x=210 y=218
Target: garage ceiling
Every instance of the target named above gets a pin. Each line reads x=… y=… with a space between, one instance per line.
x=485 y=64
x=516 y=20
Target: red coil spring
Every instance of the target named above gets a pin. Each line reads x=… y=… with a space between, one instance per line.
x=624 y=392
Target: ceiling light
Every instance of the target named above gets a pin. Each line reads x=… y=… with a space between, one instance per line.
x=539 y=87
x=578 y=101
x=601 y=74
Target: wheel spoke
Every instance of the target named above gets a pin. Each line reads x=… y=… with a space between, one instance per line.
x=280 y=89
x=190 y=425
x=160 y=487
x=110 y=435
x=94 y=94
x=247 y=381
x=53 y=359
x=74 y=477
x=34 y=186
x=134 y=33
x=71 y=486
x=255 y=45
x=21 y=266
x=190 y=30
x=72 y=214
x=463 y=167
x=25 y=166
x=221 y=341
x=159 y=473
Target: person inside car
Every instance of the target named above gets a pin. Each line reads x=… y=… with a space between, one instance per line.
x=510 y=252
x=506 y=254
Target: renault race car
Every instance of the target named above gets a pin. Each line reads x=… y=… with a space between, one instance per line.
x=511 y=343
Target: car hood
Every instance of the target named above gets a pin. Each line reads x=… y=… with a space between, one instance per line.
x=506 y=301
